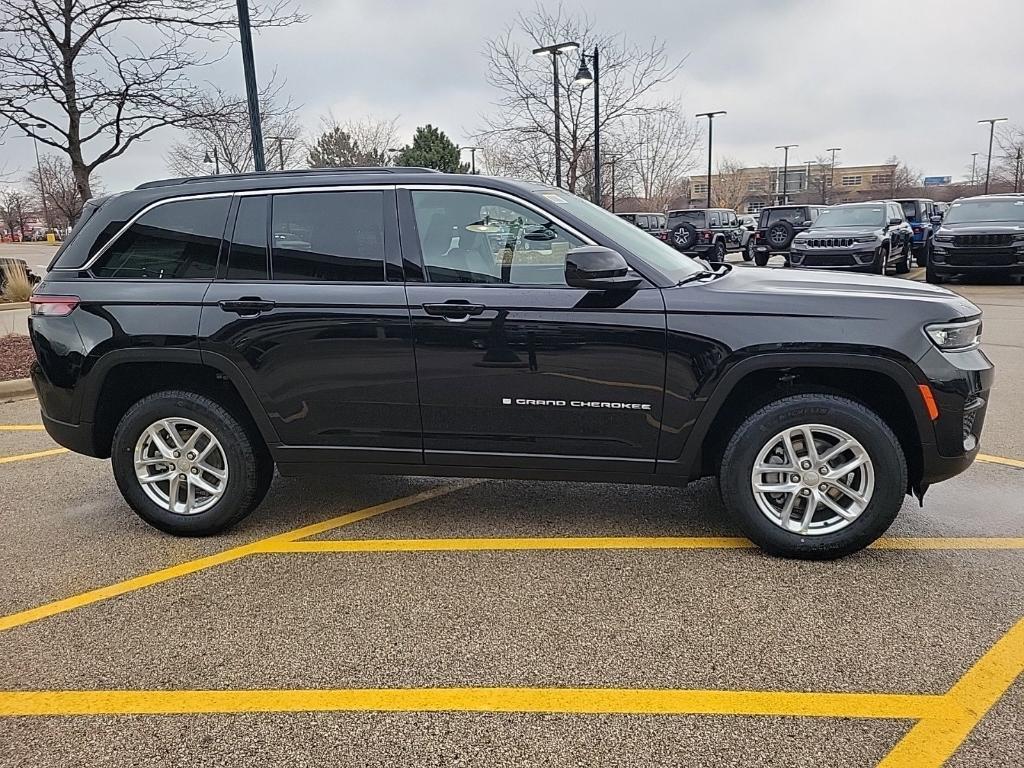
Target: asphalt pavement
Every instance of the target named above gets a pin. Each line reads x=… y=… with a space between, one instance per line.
x=410 y=621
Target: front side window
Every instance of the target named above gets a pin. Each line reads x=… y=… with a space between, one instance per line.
x=173 y=241
x=328 y=237
x=471 y=237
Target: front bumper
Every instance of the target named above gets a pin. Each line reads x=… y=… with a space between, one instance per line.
x=860 y=256
x=951 y=261
x=961 y=383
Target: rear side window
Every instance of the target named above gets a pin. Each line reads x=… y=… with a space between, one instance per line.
x=910 y=210
x=328 y=236
x=178 y=240
x=247 y=259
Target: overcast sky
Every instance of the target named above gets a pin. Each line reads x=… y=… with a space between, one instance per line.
x=876 y=77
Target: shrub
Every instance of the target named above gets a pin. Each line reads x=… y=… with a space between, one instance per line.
x=16 y=285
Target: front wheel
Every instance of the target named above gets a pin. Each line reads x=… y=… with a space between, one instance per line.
x=813 y=476
x=187 y=466
x=881 y=259
x=748 y=250
x=903 y=265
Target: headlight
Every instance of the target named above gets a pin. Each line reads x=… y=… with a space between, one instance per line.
x=943 y=238
x=955 y=336
x=866 y=239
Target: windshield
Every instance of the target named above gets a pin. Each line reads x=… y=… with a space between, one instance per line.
x=674 y=265
x=986 y=210
x=851 y=216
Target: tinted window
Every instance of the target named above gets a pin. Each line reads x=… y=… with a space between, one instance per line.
x=329 y=236
x=713 y=219
x=248 y=257
x=909 y=210
x=469 y=237
x=691 y=217
x=793 y=215
x=172 y=241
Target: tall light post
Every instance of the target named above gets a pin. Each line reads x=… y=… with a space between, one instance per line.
x=611 y=161
x=974 y=166
x=785 y=170
x=711 y=122
x=42 y=187
x=280 y=147
x=554 y=51
x=991 y=135
x=472 y=158
x=252 y=94
x=215 y=160
x=1018 y=171
x=832 y=172
x=807 y=177
x=584 y=77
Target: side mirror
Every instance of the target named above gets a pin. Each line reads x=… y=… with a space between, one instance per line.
x=807 y=223
x=894 y=222
x=937 y=218
x=597 y=268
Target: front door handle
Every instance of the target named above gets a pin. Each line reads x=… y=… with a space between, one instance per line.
x=455 y=312
x=247 y=306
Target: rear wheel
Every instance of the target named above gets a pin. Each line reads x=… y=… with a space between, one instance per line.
x=187 y=466
x=813 y=476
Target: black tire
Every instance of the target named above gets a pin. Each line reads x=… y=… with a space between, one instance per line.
x=931 y=276
x=718 y=253
x=903 y=265
x=748 y=250
x=761 y=258
x=780 y=235
x=924 y=254
x=684 y=237
x=853 y=418
x=250 y=468
x=881 y=259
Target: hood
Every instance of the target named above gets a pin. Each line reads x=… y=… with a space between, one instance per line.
x=840 y=231
x=800 y=293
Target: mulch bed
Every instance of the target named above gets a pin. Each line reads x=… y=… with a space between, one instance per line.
x=16 y=355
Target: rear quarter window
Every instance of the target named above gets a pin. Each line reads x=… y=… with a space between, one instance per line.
x=175 y=240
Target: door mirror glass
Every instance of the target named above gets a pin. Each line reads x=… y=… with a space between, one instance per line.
x=895 y=222
x=598 y=268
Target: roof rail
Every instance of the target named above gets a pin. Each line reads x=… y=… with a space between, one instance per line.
x=294 y=172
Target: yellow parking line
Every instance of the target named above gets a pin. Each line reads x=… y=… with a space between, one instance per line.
x=988 y=459
x=933 y=740
x=202 y=563
x=560 y=700
x=36 y=455
x=610 y=542
x=22 y=428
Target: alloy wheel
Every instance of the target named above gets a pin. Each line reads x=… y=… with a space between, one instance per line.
x=181 y=466
x=813 y=479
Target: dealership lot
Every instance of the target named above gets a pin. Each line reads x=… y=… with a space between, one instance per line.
x=393 y=620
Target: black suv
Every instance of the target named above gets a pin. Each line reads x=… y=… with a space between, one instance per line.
x=651 y=223
x=868 y=237
x=706 y=232
x=777 y=227
x=200 y=331
x=979 y=235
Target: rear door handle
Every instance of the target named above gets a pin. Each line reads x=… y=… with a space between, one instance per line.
x=247 y=306
x=455 y=312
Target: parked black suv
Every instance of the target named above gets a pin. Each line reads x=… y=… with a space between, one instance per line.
x=200 y=331
x=778 y=225
x=979 y=235
x=705 y=232
x=868 y=237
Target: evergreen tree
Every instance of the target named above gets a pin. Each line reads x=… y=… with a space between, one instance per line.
x=335 y=148
x=431 y=148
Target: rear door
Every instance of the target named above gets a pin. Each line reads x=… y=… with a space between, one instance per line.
x=316 y=321
x=516 y=368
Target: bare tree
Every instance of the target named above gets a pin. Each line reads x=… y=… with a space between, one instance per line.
x=14 y=210
x=659 y=149
x=730 y=188
x=375 y=137
x=523 y=122
x=222 y=124
x=1008 y=165
x=57 y=185
x=905 y=180
x=364 y=141
x=75 y=67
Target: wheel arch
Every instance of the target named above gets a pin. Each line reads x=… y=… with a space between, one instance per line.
x=882 y=384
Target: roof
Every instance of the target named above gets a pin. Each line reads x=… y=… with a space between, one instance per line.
x=276 y=176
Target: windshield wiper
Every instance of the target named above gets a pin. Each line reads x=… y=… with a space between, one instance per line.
x=721 y=270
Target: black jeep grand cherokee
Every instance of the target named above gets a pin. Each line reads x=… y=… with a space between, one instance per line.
x=200 y=331
x=982 y=234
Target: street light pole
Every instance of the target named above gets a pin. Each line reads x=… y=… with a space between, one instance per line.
x=711 y=122
x=280 y=147
x=554 y=51
x=832 y=172
x=472 y=159
x=785 y=170
x=215 y=161
x=585 y=78
x=42 y=187
x=991 y=135
x=613 y=160
x=252 y=94
x=1017 y=172
x=974 y=165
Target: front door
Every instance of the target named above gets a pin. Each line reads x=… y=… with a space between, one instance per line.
x=515 y=367
x=315 y=318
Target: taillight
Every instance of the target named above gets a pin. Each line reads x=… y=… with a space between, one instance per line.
x=706 y=235
x=52 y=306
